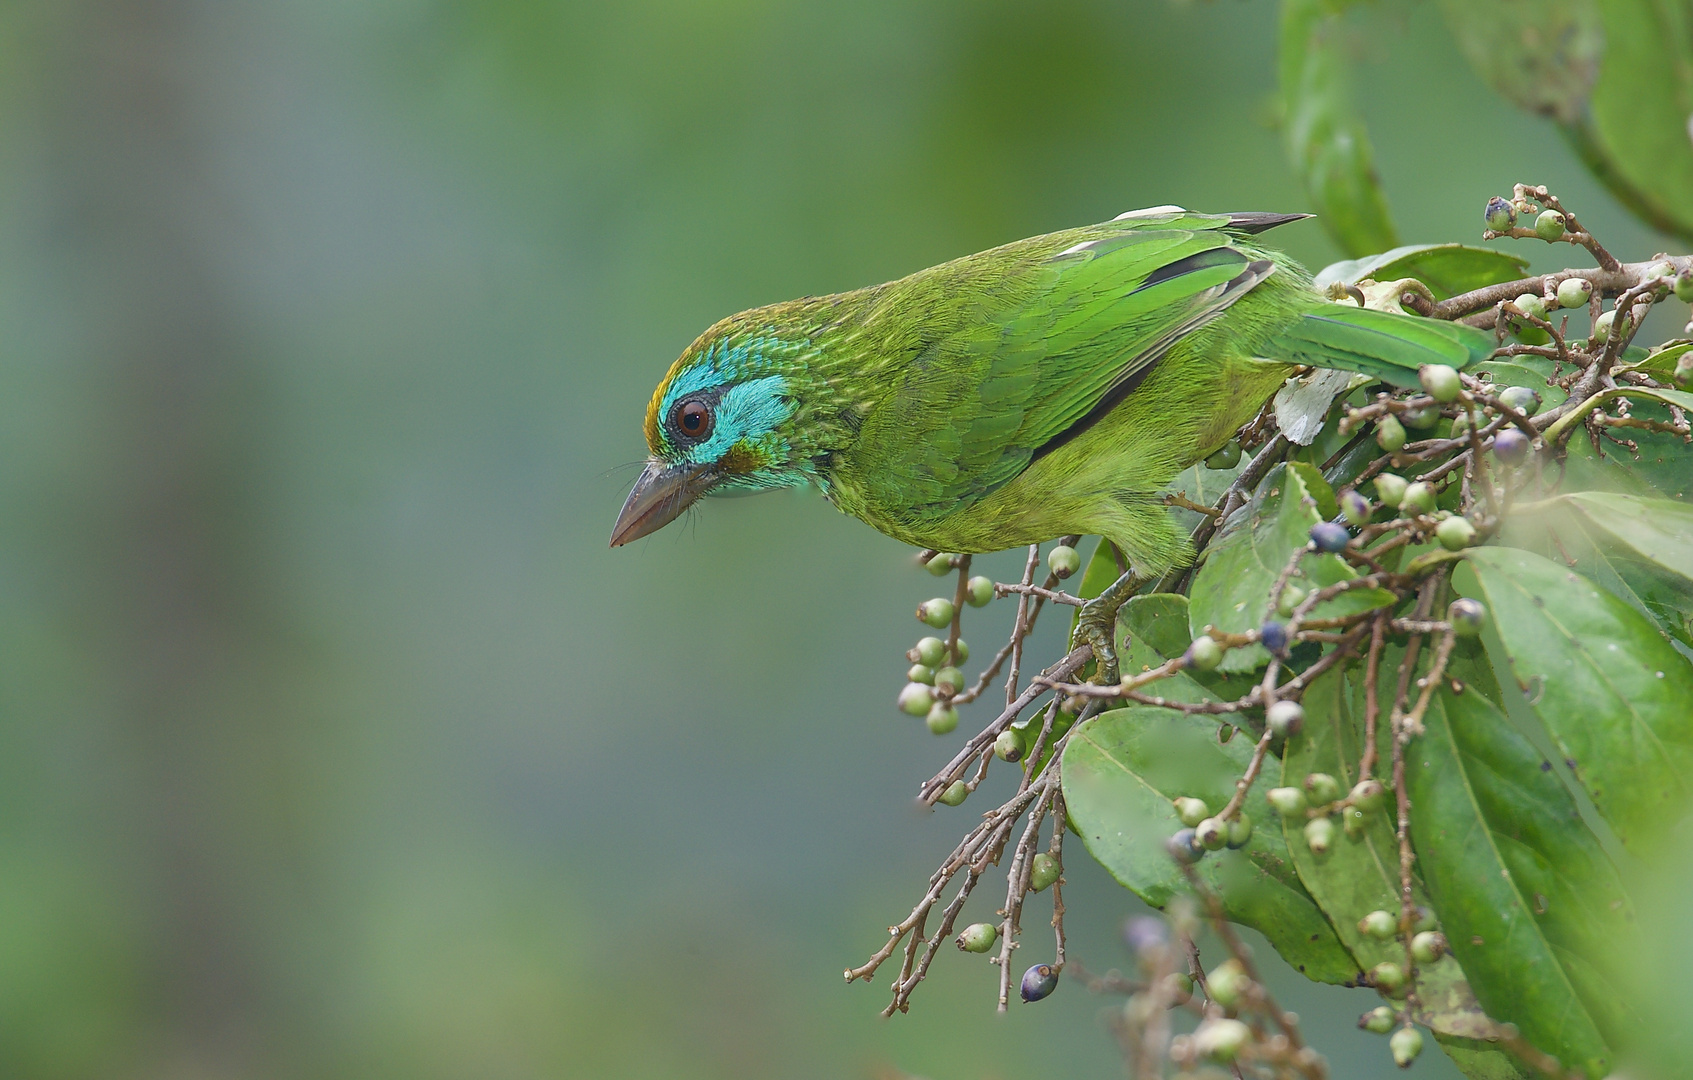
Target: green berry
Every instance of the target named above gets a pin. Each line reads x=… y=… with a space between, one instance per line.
x=1520 y=398
x=1227 y=457
x=1204 y=653
x=1660 y=270
x=1390 y=434
x=1420 y=417
x=949 y=678
x=1574 y=292
x=1009 y=746
x=1604 y=324
x=955 y=793
x=1501 y=215
x=978 y=591
x=940 y=565
x=1043 y=871
x=1683 y=375
x=942 y=718
x=916 y=699
x=1441 y=381
x=1356 y=507
x=1684 y=286
x=1368 y=795
x=978 y=937
x=1532 y=304
x=1467 y=616
x=1379 y=925
x=1405 y=1045
x=1228 y=983
x=1292 y=596
x=1461 y=426
x=921 y=673
x=1389 y=977
x=1455 y=533
x=937 y=612
x=930 y=651
x=961 y=653
x=1319 y=835
x=1240 y=831
x=1422 y=919
x=1419 y=498
x=1353 y=821
x=1321 y=788
x=1390 y=489
x=1063 y=560
x=1428 y=946
x=1178 y=988
x=1212 y=834
x=1289 y=802
x=1379 y=1020
x=1285 y=718
x=1220 y=1040
x=1549 y=226
x=1191 y=811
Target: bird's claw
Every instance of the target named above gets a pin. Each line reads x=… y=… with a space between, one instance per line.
x=1096 y=626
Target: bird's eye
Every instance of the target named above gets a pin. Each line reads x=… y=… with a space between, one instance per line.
x=693 y=419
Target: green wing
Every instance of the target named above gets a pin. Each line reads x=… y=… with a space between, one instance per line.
x=1016 y=349
x=1378 y=343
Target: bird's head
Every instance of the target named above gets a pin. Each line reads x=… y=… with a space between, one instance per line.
x=730 y=417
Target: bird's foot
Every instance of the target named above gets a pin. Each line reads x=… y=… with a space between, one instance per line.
x=1096 y=628
x=1096 y=625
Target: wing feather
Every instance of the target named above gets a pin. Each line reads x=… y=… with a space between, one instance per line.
x=1026 y=348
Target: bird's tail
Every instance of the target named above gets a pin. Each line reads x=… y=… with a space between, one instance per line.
x=1377 y=343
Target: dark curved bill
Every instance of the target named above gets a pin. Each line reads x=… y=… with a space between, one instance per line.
x=660 y=496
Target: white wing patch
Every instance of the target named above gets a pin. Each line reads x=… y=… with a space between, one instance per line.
x=1151 y=211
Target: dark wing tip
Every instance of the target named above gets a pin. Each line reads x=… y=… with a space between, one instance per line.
x=1254 y=222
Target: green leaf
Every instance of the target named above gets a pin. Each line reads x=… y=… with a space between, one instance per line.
x=1611 y=691
x=1660 y=362
x=1231 y=590
x=1662 y=467
x=1560 y=530
x=1361 y=875
x=1529 y=371
x=1101 y=571
x=1121 y=770
x=1542 y=55
x=1657 y=530
x=1480 y=1061
x=1156 y=626
x=1528 y=901
x=1633 y=134
x=1326 y=138
x=1447 y=269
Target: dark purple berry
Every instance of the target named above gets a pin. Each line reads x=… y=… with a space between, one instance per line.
x=1510 y=446
x=1038 y=982
x=1273 y=636
x=1329 y=536
x=1184 y=846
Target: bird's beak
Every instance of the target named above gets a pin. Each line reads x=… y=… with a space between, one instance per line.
x=660 y=496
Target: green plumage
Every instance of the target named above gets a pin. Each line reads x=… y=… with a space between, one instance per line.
x=1046 y=387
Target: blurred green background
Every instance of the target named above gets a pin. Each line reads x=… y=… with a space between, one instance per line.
x=333 y=740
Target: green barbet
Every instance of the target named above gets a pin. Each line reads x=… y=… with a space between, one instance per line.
x=1048 y=387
